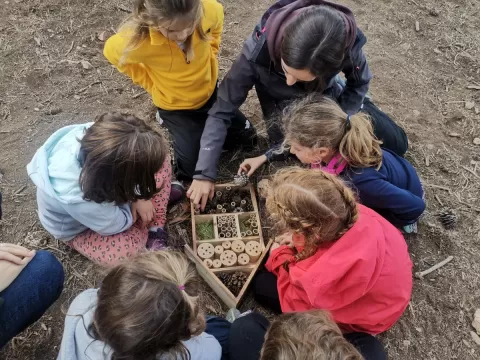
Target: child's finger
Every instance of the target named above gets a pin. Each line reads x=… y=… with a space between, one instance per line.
x=11 y=257
x=204 y=201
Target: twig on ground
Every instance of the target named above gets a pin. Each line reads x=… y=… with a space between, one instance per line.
x=421 y=274
x=471 y=172
x=19 y=191
x=438 y=187
x=70 y=48
x=139 y=94
x=438 y=199
x=87 y=87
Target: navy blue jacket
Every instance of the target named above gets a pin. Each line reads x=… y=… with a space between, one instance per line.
x=394 y=191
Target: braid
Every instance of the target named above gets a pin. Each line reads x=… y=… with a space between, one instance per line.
x=312 y=203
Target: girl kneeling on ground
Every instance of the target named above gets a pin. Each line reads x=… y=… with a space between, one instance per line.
x=320 y=133
x=103 y=187
x=170 y=48
x=336 y=255
x=146 y=308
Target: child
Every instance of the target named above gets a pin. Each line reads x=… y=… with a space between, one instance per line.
x=299 y=335
x=95 y=180
x=320 y=133
x=299 y=47
x=170 y=48
x=145 y=309
x=336 y=255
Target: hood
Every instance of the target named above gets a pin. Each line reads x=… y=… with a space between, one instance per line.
x=55 y=168
x=282 y=12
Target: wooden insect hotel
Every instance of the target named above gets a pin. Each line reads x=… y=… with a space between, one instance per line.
x=228 y=245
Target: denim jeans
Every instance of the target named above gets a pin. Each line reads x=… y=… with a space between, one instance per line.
x=219 y=328
x=30 y=295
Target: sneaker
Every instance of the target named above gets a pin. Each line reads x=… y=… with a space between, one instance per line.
x=157 y=240
x=411 y=229
x=177 y=193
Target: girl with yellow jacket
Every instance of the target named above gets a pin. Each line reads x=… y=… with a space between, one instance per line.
x=170 y=47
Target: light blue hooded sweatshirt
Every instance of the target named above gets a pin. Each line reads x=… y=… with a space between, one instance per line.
x=77 y=344
x=55 y=170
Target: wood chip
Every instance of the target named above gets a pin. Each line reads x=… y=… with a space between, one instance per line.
x=102 y=36
x=454 y=134
x=469 y=105
x=86 y=65
x=473 y=87
x=476 y=141
x=476 y=321
x=475 y=337
x=417 y=26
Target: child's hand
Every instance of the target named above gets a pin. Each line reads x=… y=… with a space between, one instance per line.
x=285 y=239
x=200 y=191
x=13 y=259
x=144 y=209
x=250 y=165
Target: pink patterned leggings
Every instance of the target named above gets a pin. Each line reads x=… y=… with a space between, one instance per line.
x=109 y=250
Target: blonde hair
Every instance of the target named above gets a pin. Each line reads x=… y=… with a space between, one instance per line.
x=312 y=203
x=307 y=335
x=148 y=306
x=318 y=121
x=149 y=13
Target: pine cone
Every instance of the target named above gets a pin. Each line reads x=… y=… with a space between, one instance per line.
x=234 y=281
x=448 y=218
x=241 y=180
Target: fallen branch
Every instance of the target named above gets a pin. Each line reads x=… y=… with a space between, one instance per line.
x=421 y=274
x=438 y=187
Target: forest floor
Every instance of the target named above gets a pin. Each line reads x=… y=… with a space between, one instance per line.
x=425 y=56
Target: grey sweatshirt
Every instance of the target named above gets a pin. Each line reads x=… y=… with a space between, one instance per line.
x=77 y=344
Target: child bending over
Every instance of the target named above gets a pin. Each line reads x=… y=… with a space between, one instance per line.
x=320 y=133
x=145 y=309
x=103 y=187
x=335 y=255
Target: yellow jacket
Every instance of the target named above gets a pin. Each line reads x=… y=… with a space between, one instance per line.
x=160 y=66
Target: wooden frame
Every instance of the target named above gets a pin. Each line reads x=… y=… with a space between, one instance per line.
x=210 y=274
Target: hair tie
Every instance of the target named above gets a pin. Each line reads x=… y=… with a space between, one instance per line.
x=181 y=287
x=348 y=122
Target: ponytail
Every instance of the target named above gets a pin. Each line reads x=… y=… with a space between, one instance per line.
x=318 y=121
x=359 y=145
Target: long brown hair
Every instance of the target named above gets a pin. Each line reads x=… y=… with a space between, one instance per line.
x=120 y=155
x=146 y=307
x=312 y=203
x=306 y=335
x=315 y=41
x=318 y=121
x=150 y=13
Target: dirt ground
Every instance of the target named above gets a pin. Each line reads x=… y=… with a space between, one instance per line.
x=425 y=56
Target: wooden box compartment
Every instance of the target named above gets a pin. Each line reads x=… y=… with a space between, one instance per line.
x=237 y=244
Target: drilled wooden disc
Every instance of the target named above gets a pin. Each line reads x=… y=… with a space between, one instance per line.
x=227 y=245
x=205 y=250
x=208 y=263
x=217 y=264
x=243 y=259
x=219 y=249
x=238 y=246
x=228 y=258
x=253 y=248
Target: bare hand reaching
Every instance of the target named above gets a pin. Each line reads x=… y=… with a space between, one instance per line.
x=200 y=191
x=250 y=165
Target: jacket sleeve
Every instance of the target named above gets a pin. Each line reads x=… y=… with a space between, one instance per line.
x=277 y=259
x=216 y=36
x=401 y=206
x=104 y=219
x=128 y=63
x=358 y=77
x=232 y=93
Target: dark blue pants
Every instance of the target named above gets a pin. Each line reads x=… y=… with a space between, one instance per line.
x=220 y=329
x=30 y=295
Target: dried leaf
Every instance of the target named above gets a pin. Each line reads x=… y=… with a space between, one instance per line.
x=37 y=40
x=469 y=105
x=102 y=36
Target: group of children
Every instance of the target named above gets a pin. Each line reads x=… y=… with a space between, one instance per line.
x=340 y=269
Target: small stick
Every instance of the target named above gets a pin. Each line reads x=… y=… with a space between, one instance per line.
x=139 y=94
x=438 y=199
x=471 y=172
x=20 y=190
x=421 y=274
x=438 y=187
x=70 y=48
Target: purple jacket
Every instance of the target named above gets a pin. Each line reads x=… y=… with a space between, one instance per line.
x=256 y=67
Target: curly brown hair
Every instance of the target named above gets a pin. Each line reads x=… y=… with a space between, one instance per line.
x=307 y=335
x=120 y=156
x=312 y=203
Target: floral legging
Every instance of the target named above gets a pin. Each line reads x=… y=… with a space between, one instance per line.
x=109 y=250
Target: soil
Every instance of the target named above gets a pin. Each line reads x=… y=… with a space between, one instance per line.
x=425 y=56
